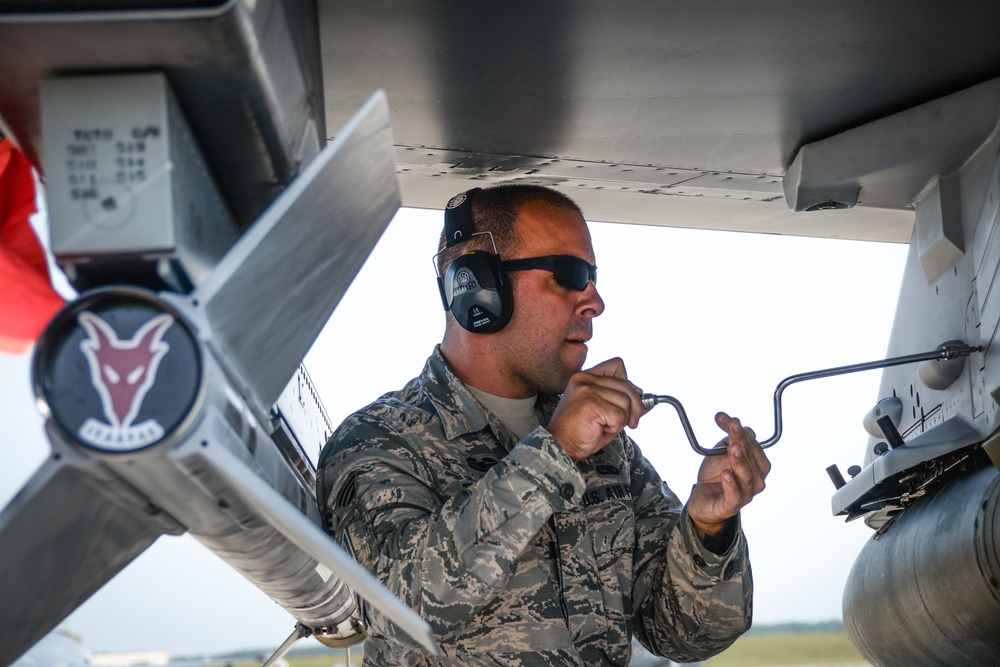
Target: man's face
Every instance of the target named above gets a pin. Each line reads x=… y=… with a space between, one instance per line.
x=545 y=342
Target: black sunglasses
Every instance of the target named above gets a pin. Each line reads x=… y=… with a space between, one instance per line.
x=570 y=272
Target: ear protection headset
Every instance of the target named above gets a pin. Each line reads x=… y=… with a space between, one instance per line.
x=474 y=288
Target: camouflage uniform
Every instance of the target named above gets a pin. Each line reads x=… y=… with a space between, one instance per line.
x=512 y=552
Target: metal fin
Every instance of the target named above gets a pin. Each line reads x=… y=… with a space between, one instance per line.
x=69 y=530
x=275 y=289
x=285 y=517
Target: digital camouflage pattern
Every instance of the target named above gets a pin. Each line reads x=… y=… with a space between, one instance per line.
x=512 y=552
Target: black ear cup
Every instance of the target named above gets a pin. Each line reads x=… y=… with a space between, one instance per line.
x=477 y=293
x=474 y=289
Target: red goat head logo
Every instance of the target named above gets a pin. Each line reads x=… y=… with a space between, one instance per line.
x=122 y=372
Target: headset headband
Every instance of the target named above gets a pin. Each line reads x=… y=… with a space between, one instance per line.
x=458 y=218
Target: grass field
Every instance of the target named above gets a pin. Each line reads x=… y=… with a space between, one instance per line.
x=335 y=659
x=801 y=648
x=755 y=650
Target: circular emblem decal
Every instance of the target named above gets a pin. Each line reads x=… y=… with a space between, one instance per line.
x=464 y=277
x=118 y=369
x=456 y=201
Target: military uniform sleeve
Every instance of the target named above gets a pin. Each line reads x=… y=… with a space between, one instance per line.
x=690 y=603
x=445 y=556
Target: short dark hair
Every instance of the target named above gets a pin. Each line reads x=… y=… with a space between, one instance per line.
x=495 y=210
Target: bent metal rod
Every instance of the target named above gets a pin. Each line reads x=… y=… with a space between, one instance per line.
x=950 y=350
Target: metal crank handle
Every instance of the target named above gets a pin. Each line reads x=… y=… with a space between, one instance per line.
x=946 y=351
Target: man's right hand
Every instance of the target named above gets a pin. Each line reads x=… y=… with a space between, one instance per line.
x=597 y=404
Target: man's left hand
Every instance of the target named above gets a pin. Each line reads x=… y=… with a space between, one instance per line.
x=727 y=482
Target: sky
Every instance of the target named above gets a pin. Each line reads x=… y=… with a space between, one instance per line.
x=716 y=319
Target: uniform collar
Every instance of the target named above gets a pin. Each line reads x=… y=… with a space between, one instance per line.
x=458 y=409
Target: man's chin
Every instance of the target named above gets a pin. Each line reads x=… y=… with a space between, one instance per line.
x=563 y=382
x=577 y=357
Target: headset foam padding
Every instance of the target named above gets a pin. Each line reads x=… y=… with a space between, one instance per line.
x=477 y=294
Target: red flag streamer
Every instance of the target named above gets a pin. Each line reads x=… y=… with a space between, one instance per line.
x=27 y=299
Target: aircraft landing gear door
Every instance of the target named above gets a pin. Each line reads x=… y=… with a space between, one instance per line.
x=983 y=318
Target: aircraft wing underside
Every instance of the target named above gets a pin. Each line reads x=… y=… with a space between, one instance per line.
x=663 y=113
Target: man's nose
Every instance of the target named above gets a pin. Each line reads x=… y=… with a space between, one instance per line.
x=591 y=304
